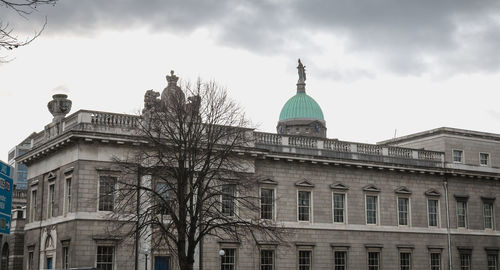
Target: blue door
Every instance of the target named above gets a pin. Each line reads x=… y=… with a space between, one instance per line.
x=49 y=262
x=161 y=262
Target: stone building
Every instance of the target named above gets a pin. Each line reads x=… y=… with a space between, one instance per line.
x=423 y=201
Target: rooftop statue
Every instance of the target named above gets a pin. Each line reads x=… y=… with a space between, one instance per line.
x=302 y=72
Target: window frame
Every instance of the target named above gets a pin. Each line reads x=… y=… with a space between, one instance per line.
x=340 y=250
x=408 y=210
x=466 y=218
x=379 y=261
x=273 y=203
x=110 y=195
x=492 y=216
x=273 y=264
x=51 y=200
x=311 y=256
x=377 y=207
x=68 y=193
x=235 y=261
x=431 y=265
x=233 y=200
x=492 y=255
x=65 y=256
x=438 y=213
x=33 y=204
x=410 y=261
x=311 y=201
x=462 y=155
x=468 y=255
x=113 y=259
x=344 y=212
x=488 y=159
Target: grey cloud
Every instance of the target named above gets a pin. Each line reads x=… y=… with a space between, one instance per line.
x=402 y=34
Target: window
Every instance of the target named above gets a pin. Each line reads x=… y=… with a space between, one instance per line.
x=304 y=205
x=405 y=261
x=432 y=211
x=488 y=215
x=371 y=209
x=403 y=210
x=33 y=209
x=51 y=201
x=266 y=203
x=435 y=261
x=30 y=260
x=104 y=259
x=373 y=260
x=228 y=261
x=228 y=194
x=458 y=156
x=465 y=259
x=65 y=257
x=484 y=159
x=492 y=261
x=267 y=260
x=461 y=214
x=305 y=260
x=68 y=206
x=339 y=207
x=106 y=189
x=163 y=198
x=340 y=258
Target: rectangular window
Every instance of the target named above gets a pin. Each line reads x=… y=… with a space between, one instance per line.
x=403 y=210
x=371 y=209
x=33 y=209
x=228 y=195
x=462 y=214
x=51 y=200
x=65 y=257
x=432 y=210
x=106 y=190
x=228 y=261
x=105 y=258
x=405 y=261
x=488 y=215
x=266 y=203
x=30 y=260
x=435 y=261
x=267 y=260
x=458 y=156
x=340 y=260
x=465 y=263
x=304 y=205
x=163 y=198
x=305 y=260
x=373 y=260
x=68 y=207
x=484 y=159
x=338 y=207
x=492 y=261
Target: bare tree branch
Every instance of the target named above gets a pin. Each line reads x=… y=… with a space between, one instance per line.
x=196 y=180
x=8 y=39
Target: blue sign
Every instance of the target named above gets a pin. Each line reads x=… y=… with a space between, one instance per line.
x=6 y=185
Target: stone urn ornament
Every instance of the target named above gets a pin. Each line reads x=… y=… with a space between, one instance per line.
x=59 y=106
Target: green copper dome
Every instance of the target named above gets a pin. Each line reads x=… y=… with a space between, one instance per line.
x=301 y=106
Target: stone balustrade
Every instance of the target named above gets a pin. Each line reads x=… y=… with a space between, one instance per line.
x=275 y=141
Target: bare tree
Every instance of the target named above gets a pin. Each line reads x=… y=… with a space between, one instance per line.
x=195 y=178
x=8 y=39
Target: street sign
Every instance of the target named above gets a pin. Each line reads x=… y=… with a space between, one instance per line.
x=6 y=185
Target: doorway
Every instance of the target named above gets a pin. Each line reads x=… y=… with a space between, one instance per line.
x=162 y=263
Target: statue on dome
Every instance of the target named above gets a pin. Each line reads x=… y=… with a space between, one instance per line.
x=302 y=72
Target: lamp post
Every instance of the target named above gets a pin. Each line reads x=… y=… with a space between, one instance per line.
x=146 y=253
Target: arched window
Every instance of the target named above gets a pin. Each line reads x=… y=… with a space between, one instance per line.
x=4 y=262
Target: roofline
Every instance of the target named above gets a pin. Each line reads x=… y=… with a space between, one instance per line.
x=442 y=131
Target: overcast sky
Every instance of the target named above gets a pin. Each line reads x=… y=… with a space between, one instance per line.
x=375 y=67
